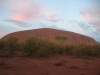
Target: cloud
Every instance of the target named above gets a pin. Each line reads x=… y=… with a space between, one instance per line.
x=53 y=17
x=84 y=25
x=19 y=17
x=84 y=28
x=91 y=18
x=3 y=3
x=91 y=15
x=54 y=27
x=29 y=10
x=19 y=23
x=23 y=24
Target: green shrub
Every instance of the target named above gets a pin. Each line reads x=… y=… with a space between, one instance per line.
x=2 y=44
x=12 y=45
x=53 y=47
x=61 y=38
x=69 y=49
x=45 y=48
x=61 y=49
x=29 y=46
x=44 y=52
x=81 y=50
x=3 y=51
x=96 y=50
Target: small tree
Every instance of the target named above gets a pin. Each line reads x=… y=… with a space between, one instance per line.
x=12 y=45
x=61 y=39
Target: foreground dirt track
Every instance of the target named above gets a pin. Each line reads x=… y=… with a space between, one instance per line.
x=46 y=66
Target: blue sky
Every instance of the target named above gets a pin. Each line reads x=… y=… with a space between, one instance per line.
x=79 y=16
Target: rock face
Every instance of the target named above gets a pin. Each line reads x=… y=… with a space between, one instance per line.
x=46 y=33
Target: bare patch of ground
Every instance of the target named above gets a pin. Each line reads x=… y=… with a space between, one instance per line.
x=57 y=65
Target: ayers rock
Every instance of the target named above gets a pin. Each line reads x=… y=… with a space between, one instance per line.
x=46 y=33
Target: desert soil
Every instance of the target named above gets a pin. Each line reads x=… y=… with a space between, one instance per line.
x=48 y=66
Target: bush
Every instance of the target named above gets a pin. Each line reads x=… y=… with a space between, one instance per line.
x=69 y=49
x=29 y=46
x=96 y=50
x=2 y=44
x=37 y=47
x=3 y=51
x=61 y=49
x=82 y=50
x=45 y=49
x=12 y=45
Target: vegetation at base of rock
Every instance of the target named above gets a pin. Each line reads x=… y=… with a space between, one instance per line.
x=37 y=47
x=82 y=50
x=2 y=44
x=9 y=46
x=29 y=46
x=33 y=46
x=12 y=45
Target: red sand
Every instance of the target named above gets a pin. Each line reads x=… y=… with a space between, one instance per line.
x=46 y=66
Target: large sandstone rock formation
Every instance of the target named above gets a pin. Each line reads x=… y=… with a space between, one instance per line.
x=73 y=38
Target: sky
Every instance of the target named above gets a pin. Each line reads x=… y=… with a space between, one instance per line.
x=79 y=16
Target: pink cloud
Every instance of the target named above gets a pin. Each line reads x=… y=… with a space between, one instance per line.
x=98 y=26
x=91 y=15
x=19 y=17
x=31 y=10
x=87 y=17
x=26 y=11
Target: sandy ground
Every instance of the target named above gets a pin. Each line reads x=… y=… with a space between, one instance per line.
x=46 y=66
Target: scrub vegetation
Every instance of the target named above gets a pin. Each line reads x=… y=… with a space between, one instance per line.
x=37 y=47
